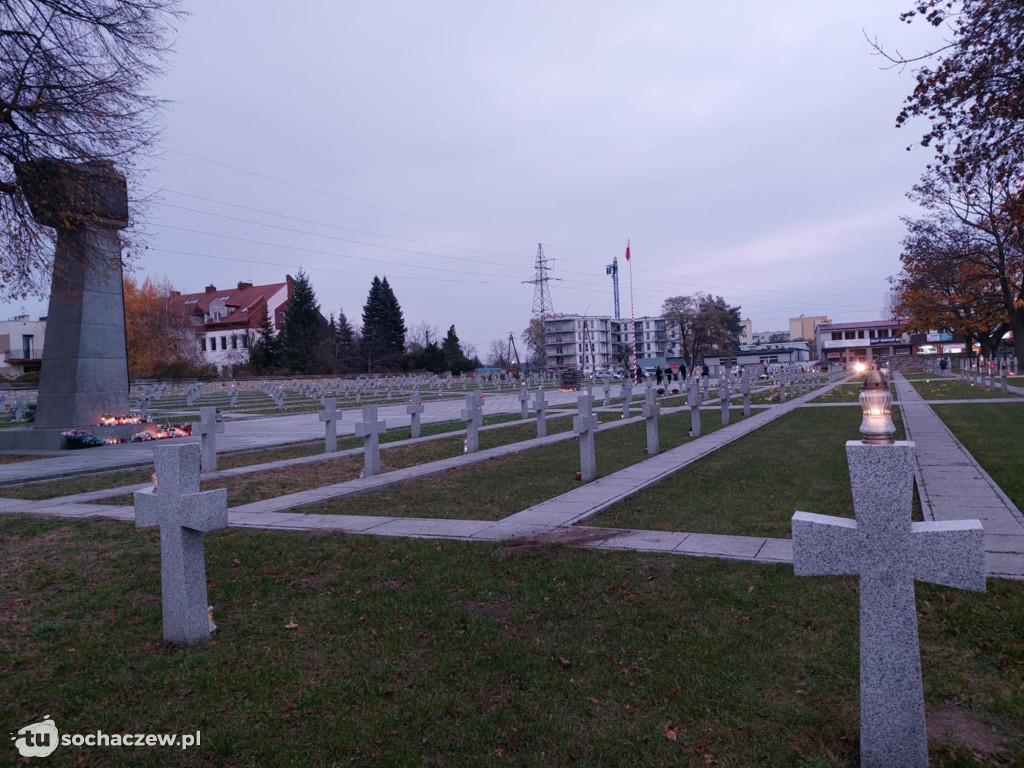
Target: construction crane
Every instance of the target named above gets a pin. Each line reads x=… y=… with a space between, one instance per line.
x=512 y=351
x=613 y=270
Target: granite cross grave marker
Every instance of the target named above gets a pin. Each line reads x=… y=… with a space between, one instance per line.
x=889 y=552
x=184 y=514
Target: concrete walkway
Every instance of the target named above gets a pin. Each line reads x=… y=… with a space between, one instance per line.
x=953 y=486
x=258 y=433
x=554 y=519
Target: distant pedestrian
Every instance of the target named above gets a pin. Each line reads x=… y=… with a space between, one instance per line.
x=704 y=372
x=943 y=364
x=682 y=373
x=657 y=375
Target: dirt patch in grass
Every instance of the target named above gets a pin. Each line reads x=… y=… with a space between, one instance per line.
x=498 y=611
x=958 y=727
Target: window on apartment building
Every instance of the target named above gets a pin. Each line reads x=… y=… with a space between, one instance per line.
x=871 y=333
x=223 y=342
x=234 y=342
x=202 y=343
x=860 y=334
x=245 y=341
x=837 y=336
x=849 y=335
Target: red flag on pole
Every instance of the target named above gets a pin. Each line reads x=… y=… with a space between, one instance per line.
x=627 y=250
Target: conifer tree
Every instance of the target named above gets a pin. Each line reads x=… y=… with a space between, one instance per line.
x=394 y=321
x=265 y=354
x=344 y=340
x=455 y=357
x=383 y=341
x=305 y=330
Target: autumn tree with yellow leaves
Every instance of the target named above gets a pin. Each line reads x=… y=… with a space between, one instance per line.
x=161 y=343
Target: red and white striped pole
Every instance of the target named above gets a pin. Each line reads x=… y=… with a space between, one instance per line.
x=632 y=315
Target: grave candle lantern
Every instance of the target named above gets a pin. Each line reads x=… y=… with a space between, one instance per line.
x=876 y=404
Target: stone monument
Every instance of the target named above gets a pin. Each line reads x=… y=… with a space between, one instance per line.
x=84 y=372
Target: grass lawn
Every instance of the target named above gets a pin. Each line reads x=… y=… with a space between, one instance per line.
x=496 y=489
x=99 y=481
x=11 y=458
x=992 y=433
x=844 y=393
x=954 y=389
x=420 y=652
x=752 y=486
x=267 y=484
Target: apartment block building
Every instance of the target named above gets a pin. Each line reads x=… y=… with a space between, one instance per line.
x=600 y=342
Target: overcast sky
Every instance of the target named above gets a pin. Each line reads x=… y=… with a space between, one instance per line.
x=747 y=149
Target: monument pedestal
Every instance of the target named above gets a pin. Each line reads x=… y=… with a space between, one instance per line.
x=84 y=372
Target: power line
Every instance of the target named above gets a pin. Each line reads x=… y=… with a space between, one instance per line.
x=760 y=286
x=362 y=203
x=293 y=230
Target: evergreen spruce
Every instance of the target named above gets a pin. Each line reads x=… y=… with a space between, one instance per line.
x=265 y=354
x=383 y=342
x=454 y=356
x=344 y=341
x=305 y=330
x=394 y=322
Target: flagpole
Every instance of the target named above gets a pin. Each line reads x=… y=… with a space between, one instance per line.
x=632 y=314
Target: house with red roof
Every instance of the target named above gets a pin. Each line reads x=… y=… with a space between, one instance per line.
x=227 y=320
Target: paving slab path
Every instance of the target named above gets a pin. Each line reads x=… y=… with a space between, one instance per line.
x=252 y=434
x=953 y=486
x=555 y=527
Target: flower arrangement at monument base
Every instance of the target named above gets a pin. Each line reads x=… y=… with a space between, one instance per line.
x=164 y=433
x=110 y=421
x=79 y=438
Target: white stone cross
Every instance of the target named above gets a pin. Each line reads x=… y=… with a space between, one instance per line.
x=234 y=396
x=723 y=397
x=584 y=424
x=184 y=514
x=651 y=413
x=627 y=397
x=474 y=419
x=370 y=429
x=693 y=400
x=540 y=405
x=524 y=402
x=329 y=416
x=889 y=552
x=607 y=392
x=414 y=409
x=745 y=390
x=207 y=428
